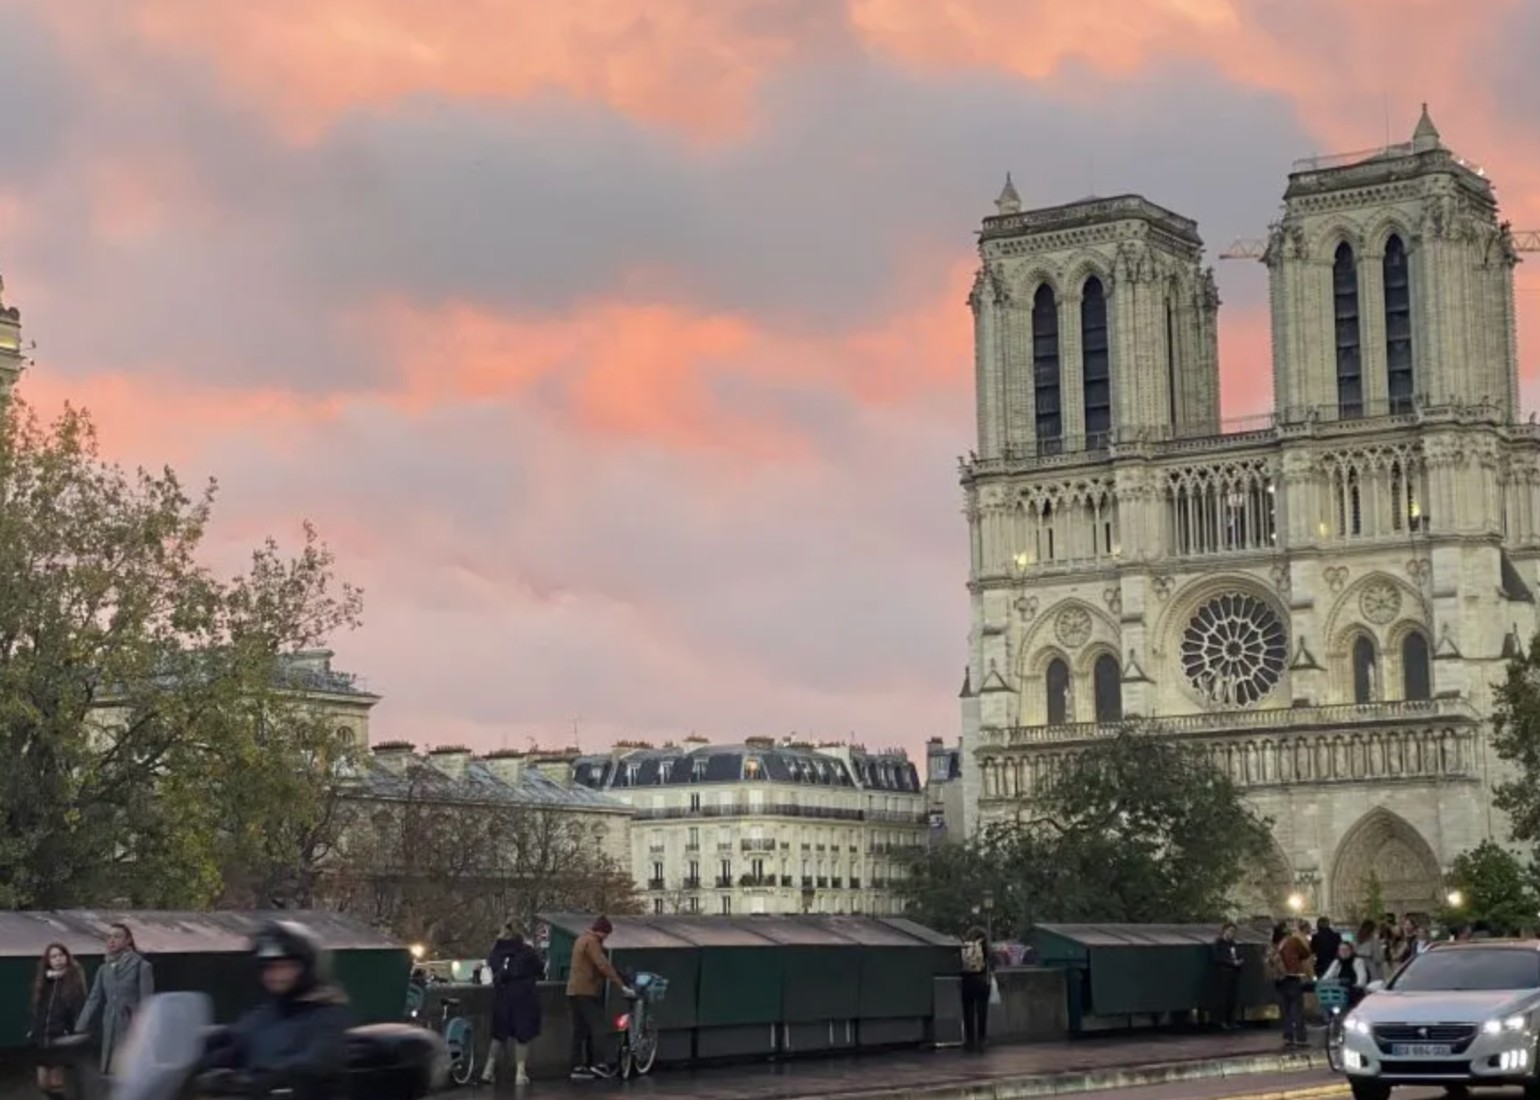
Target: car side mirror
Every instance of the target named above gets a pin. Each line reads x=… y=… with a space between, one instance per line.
x=1374 y=986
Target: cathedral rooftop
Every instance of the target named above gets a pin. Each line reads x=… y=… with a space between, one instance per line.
x=1425 y=154
x=1093 y=210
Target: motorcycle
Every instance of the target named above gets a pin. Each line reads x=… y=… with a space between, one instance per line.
x=172 y=1032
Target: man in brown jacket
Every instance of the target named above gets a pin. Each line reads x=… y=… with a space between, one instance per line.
x=590 y=969
x=1298 y=968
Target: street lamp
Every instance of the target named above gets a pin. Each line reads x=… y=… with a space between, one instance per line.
x=1455 y=899
x=1296 y=903
x=418 y=951
x=989 y=915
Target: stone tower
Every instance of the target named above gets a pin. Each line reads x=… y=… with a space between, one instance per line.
x=1094 y=321
x=1320 y=604
x=1392 y=286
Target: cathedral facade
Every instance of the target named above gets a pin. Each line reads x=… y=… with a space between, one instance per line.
x=1321 y=600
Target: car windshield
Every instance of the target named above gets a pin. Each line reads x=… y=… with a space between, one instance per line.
x=1470 y=969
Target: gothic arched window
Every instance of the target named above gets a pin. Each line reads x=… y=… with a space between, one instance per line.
x=1045 y=370
x=1416 y=670
x=1398 y=327
x=1108 y=689
x=1056 y=684
x=1350 y=382
x=1096 y=363
x=1365 y=674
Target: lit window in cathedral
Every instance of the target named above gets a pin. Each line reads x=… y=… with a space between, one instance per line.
x=1365 y=674
x=1056 y=681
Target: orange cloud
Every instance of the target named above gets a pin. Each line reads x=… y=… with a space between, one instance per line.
x=687 y=63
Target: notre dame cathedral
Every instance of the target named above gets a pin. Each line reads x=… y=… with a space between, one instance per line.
x=1321 y=601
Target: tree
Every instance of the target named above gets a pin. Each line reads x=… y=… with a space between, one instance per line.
x=1136 y=828
x=1516 y=740
x=434 y=864
x=151 y=746
x=1494 y=888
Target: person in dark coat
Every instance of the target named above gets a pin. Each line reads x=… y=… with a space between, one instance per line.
x=515 y=967
x=977 y=980
x=58 y=995
x=1227 y=972
x=297 y=1040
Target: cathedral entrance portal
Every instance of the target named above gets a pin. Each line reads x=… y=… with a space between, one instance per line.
x=1383 y=846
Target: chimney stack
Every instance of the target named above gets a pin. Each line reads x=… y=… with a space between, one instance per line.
x=396 y=756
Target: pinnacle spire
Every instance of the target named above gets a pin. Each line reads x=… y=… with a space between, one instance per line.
x=1009 y=201
x=1426 y=135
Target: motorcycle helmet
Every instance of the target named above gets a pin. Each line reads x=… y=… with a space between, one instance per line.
x=289 y=940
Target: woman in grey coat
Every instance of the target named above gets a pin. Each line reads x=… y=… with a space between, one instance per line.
x=122 y=981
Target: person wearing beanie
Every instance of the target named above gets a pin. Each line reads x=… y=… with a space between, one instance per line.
x=591 y=968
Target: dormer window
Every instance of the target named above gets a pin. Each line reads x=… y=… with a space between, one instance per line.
x=631 y=773
x=666 y=771
x=751 y=768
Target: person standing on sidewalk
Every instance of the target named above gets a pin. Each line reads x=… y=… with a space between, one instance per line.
x=1297 y=964
x=516 y=968
x=977 y=974
x=123 y=982
x=1324 y=944
x=591 y=968
x=1227 y=972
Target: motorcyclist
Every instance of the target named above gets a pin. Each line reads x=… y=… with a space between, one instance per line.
x=297 y=1040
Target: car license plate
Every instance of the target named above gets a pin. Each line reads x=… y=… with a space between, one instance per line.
x=1421 y=1050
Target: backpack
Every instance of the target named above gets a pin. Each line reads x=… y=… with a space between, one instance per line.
x=973 y=957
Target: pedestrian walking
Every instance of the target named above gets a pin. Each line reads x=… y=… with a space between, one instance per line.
x=123 y=982
x=58 y=994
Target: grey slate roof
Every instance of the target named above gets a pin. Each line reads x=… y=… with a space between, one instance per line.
x=781 y=764
x=480 y=784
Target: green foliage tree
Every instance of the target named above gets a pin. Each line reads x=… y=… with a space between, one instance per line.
x=1494 y=888
x=1516 y=740
x=152 y=747
x=1135 y=828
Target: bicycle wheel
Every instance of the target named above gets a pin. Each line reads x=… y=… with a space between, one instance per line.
x=461 y=1041
x=1334 y=1043
x=644 y=1045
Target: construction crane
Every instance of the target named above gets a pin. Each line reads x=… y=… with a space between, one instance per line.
x=1252 y=248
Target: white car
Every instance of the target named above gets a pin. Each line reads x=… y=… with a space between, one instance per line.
x=1458 y=1015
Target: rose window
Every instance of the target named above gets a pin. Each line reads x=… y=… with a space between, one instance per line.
x=1234 y=649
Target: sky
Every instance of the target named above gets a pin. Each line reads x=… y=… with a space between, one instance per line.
x=619 y=349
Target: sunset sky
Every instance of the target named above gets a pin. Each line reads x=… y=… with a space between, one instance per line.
x=620 y=348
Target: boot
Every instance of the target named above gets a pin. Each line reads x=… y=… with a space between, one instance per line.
x=494 y=1050
x=520 y=1062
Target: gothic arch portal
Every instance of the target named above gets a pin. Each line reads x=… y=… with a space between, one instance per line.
x=1386 y=846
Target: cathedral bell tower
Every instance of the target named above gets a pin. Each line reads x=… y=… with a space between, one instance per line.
x=1094 y=322
x=1392 y=287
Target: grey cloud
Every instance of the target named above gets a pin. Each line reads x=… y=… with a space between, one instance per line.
x=534 y=207
x=35 y=100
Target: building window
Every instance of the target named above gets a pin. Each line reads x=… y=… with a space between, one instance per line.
x=1350 y=383
x=1364 y=672
x=1056 y=682
x=657 y=905
x=727 y=905
x=657 y=871
x=1416 y=675
x=695 y=905
x=1045 y=370
x=1097 y=366
x=1398 y=326
x=695 y=802
x=1171 y=369
x=1107 y=687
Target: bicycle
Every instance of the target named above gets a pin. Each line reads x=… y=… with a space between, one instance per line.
x=1333 y=999
x=460 y=1039
x=638 y=1025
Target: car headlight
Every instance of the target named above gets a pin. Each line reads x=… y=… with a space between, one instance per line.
x=1510 y=1024
x=1355 y=1025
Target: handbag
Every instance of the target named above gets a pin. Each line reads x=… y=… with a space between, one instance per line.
x=994 y=990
